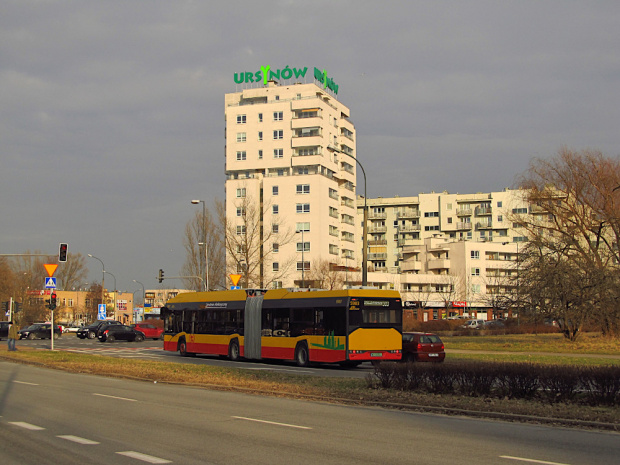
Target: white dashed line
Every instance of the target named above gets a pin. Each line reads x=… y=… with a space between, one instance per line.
x=78 y=439
x=29 y=426
x=272 y=423
x=24 y=382
x=521 y=459
x=115 y=397
x=143 y=457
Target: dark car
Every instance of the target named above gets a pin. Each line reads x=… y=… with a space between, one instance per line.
x=40 y=331
x=92 y=331
x=149 y=330
x=423 y=347
x=121 y=333
x=4 y=329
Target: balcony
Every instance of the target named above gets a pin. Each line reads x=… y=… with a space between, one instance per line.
x=408 y=228
x=377 y=215
x=463 y=212
x=408 y=213
x=409 y=241
x=411 y=265
x=377 y=229
x=377 y=256
x=483 y=211
x=377 y=242
x=484 y=225
x=439 y=264
x=463 y=225
x=300 y=123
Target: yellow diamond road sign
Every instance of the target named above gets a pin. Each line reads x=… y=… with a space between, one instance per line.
x=235 y=278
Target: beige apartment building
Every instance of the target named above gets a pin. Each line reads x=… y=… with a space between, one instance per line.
x=290 y=183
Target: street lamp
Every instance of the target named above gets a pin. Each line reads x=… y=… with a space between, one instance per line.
x=105 y=271
x=303 y=263
x=204 y=242
x=365 y=226
x=102 y=278
x=143 y=292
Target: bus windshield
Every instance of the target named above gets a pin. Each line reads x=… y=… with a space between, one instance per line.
x=374 y=312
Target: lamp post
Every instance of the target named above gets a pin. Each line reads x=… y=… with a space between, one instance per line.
x=105 y=271
x=102 y=278
x=204 y=242
x=143 y=292
x=303 y=263
x=365 y=225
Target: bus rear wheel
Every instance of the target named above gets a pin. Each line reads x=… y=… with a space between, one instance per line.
x=301 y=355
x=233 y=351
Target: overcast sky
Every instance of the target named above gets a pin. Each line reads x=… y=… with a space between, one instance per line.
x=112 y=112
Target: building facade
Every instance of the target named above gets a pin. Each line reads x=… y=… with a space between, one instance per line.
x=290 y=183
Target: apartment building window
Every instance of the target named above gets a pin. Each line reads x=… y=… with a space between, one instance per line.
x=241 y=137
x=475 y=271
x=448 y=206
x=303 y=247
x=241 y=192
x=241 y=156
x=275 y=266
x=499 y=204
x=240 y=211
x=278 y=134
x=260 y=117
x=303 y=266
x=275 y=209
x=519 y=210
x=475 y=254
x=302 y=170
x=431 y=228
x=304 y=226
x=278 y=115
x=333 y=249
x=275 y=228
x=475 y=288
x=303 y=208
x=303 y=188
x=500 y=218
x=278 y=153
x=275 y=247
x=241 y=119
x=469 y=235
x=431 y=214
x=333 y=230
x=241 y=230
x=260 y=154
x=260 y=135
x=275 y=190
x=307 y=151
x=450 y=220
x=277 y=97
x=276 y=285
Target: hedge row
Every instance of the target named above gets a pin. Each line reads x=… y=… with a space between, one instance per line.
x=597 y=385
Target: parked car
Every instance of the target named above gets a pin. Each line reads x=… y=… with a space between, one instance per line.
x=91 y=331
x=71 y=329
x=40 y=331
x=149 y=329
x=473 y=324
x=494 y=324
x=4 y=329
x=422 y=347
x=120 y=333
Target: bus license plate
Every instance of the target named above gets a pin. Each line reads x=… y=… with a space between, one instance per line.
x=376 y=354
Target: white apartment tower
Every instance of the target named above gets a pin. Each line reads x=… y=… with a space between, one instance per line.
x=290 y=183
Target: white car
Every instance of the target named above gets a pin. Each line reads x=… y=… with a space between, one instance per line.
x=473 y=324
x=71 y=329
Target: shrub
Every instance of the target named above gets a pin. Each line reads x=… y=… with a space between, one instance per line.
x=602 y=384
x=475 y=379
x=559 y=384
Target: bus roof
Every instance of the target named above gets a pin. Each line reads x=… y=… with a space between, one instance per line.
x=278 y=294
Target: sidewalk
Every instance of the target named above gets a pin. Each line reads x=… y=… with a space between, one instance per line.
x=558 y=354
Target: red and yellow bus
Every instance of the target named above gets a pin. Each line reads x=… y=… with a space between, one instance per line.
x=347 y=326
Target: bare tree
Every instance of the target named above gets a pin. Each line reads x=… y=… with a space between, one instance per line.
x=249 y=243
x=213 y=263
x=73 y=272
x=573 y=230
x=325 y=275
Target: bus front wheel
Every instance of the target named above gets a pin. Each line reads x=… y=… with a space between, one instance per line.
x=183 y=349
x=301 y=355
x=233 y=351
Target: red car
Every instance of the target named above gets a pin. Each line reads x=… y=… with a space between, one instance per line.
x=149 y=329
x=422 y=347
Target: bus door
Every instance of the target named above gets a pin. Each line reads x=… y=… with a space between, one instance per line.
x=252 y=327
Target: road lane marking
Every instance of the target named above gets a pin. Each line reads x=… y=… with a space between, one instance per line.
x=272 y=423
x=29 y=426
x=24 y=382
x=530 y=460
x=77 y=439
x=143 y=457
x=115 y=397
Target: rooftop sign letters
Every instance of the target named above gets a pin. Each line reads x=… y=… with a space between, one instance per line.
x=266 y=74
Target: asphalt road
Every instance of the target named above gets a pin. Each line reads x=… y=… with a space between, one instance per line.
x=49 y=416
x=152 y=350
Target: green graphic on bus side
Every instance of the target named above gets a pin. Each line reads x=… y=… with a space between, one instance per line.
x=330 y=342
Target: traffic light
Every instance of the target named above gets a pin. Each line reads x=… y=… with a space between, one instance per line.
x=62 y=253
x=5 y=307
x=160 y=277
x=17 y=307
x=53 y=301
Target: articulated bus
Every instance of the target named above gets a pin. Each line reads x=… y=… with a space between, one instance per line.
x=342 y=326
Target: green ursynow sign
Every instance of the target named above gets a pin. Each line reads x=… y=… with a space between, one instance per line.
x=266 y=74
